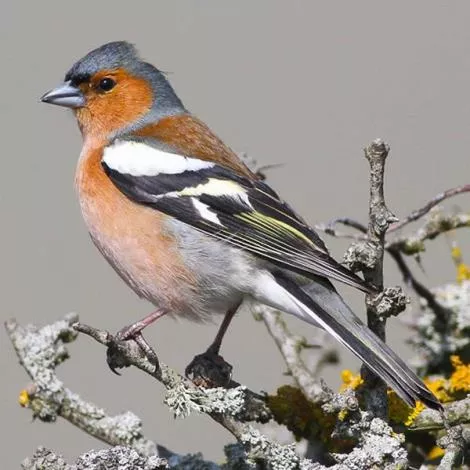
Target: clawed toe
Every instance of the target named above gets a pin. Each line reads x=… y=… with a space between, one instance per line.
x=209 y=370
x=116 y=360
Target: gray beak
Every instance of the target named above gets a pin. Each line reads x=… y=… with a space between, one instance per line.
x=66 y=95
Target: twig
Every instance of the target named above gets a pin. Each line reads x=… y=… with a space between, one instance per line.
x=290 y=348
x=442 y=313
x=348 y=222
x=379 y=220
x=330 y=228
x=418 y=213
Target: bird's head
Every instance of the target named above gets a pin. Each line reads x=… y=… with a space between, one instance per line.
x=113 y=91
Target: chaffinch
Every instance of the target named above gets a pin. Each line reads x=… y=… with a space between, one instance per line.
x=188 y=226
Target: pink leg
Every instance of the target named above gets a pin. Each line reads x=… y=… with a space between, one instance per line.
x=214 y=348
x=134 y=332
x=131 y=331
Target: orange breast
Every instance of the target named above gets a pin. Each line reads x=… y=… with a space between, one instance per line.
x=132 y=238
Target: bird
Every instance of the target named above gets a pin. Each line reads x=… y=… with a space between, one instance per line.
x=189 y=227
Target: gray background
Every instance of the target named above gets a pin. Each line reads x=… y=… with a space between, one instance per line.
x=303 y=83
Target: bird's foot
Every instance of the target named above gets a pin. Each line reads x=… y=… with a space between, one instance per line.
x=116 y=361
x=209 y=370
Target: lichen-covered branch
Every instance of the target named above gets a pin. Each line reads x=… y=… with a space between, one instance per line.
x=115 y=458
x=183 y=396
x=226 y=407
x=457 y=412
x=40 y=351
x=380 y=217
x=454 y=444
x=436 y=224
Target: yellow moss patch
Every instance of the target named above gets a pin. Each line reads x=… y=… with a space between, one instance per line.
x=23 y=398
x=303 y=418
x=350 y=380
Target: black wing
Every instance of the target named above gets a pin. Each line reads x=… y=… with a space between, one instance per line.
x=244 y=213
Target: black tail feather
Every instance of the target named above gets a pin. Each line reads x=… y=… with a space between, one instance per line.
x=327 y=308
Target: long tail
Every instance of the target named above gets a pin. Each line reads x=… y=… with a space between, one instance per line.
x=322 y=305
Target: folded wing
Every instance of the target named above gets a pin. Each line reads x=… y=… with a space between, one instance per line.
x=217 y=201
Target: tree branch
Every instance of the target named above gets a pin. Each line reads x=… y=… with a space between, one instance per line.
x=437 y=224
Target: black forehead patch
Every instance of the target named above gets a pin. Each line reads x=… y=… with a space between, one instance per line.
x=112 y=55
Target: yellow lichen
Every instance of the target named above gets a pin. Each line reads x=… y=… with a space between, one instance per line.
x=463 y=270
x=400 y=412
x=440 y=388
x=460 y=378
x=350 y=380
x=463 y=273
x=23 y=398
x=342 y=415
x=446 y=390
x=435 y=453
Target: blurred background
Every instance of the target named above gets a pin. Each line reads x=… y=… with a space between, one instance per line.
x=306 y=84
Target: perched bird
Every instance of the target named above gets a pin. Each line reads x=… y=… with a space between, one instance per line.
x=188 y=226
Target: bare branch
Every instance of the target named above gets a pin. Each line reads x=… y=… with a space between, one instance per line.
x=442 y=313
x=418 y=213
x=330 y=228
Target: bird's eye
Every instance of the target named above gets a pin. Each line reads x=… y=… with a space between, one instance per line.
x=106 y=84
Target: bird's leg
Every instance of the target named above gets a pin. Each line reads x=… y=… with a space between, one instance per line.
x=134 y=332
x=209 y=369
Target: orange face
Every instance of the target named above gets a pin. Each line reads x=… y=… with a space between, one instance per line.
x=114 y=100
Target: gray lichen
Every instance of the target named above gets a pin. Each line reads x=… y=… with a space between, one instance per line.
x=183 y=400
x=378 y=445
x=434 y=342
x=115 y=458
